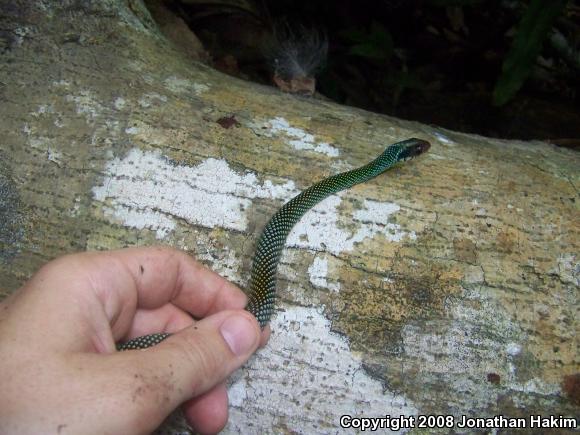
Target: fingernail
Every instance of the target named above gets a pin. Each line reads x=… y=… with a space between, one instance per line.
x=238 y=333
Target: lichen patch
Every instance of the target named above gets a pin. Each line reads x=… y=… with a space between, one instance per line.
x=146 y=190
x=183 y=86
x=318 y=272
x=298 y=138
x=319 y=229
x=311 y=362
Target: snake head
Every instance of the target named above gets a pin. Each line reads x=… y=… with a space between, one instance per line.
x=411 y=148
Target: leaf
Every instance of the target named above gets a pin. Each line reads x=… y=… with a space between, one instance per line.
x=531 y=33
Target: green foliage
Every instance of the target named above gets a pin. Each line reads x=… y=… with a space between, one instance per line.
x=531 y=33
x=375 y=43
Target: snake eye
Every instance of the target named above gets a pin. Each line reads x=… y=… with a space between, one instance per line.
x=412 y=148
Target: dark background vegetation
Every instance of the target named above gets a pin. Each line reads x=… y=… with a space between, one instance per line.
x=501 y=68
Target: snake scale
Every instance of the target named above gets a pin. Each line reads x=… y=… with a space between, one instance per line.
x=262 y=285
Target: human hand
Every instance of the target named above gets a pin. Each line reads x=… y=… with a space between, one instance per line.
x=60 y=372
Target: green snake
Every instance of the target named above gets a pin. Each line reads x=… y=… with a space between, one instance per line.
x=262 y=285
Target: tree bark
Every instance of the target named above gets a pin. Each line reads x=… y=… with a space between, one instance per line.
x=447 y=286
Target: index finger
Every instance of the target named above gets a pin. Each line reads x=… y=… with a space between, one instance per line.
x=165 y=275
x=87 y=300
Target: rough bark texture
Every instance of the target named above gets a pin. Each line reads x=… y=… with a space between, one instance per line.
x=447 y=286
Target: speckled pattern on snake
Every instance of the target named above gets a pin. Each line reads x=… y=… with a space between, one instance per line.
x=262 y=285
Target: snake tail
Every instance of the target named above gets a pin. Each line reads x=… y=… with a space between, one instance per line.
x=262 y=284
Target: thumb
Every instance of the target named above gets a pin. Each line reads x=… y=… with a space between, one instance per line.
x=185 y=365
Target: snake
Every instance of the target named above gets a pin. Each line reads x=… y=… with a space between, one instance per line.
x=262 y=283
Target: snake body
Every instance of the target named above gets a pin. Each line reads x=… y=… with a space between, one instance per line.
x=262 y=285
